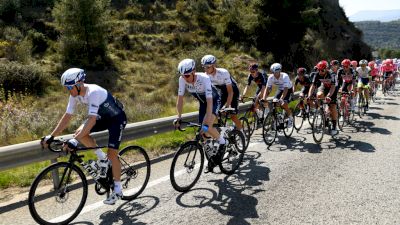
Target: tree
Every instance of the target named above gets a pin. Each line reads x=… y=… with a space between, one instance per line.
x=84 y=25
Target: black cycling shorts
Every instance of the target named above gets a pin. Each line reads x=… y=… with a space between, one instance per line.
x=115 y=126
x=288 y=96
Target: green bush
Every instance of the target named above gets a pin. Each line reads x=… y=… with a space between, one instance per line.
x=16 y=77
x=39 y=41
x=9 y=10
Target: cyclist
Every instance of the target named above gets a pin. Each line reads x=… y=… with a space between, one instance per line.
x=303 y=79
x=199 y=85
x=285 y=89
x=104 y=112
x=363 y=79
x=260 y=79
x=227 y=86
x=326 y=83
x=335 y=65
x=374 y=73
x=345 y=79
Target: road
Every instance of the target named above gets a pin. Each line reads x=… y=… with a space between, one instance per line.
x=353 y=178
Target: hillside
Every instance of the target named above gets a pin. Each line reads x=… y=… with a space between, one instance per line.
x=376 y=15
x=381 y=34
x=146 y=40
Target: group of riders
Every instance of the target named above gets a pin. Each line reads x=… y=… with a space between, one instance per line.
x=216 y=90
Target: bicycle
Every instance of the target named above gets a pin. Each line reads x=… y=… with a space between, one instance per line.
x=373 y=90
x=224 y=121
x=254 y=120
x=361 y=104
x=66 y=195
x=276 y=121
x=302 y=113
x=188 y=161
x=344 y=110
x=322 y=120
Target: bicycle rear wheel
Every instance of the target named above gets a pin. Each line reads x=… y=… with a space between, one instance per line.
x=234 y=152
x=187 y=166
x=269 y=129
x=360 y=104
x=342 y=114
x=58 y=194
x=135 y=171
x=318 y=127
x=288 y=131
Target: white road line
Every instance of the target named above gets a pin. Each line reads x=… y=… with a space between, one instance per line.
x=99 y=204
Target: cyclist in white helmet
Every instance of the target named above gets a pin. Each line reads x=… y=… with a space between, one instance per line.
x=285 y=89
x=363 y=72
x=104 y=112
x=227 y=86
x=199 y=85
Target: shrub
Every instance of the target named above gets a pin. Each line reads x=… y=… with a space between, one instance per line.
x=39 y=41
x=16 y=77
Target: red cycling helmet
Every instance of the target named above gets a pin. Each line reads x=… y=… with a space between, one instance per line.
x=371 y=64
x=354 y=63
x=301 y=70
x=322 y=65
x=389 y=61
x=346 y=62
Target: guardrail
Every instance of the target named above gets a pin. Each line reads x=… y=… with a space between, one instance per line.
x=30 y=152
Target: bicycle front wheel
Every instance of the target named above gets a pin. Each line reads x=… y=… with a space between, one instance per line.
x=318 y=127
x=58 y=194
x=135 y=171
x=252 y=119
x=246 y=129
x=269 y=129
x=298 y=115
x=342 y=114
x=233 y=156
x=187 y=166
x=288 y=131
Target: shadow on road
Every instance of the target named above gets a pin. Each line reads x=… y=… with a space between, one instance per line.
x=126 y=213
x=235 y=195
x=379 y=116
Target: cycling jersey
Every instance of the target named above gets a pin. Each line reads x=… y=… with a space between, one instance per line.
x=201 y=90
x=374 y=72
x=260 y=80
x=99 y=101
x=363 y=73
x=220 y=80
x=324 y=84
x=282 y=82
x=344 y=76
x=306 y=81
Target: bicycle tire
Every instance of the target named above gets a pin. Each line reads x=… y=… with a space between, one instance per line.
x=269 y=129
x=133 y=169
x=252 y=119
x=342 y=114
x=228 y=166
x=194 y=148
x=61 y=195
x=286 y=130
x=246 y=129
x=318 y=124
x=298 y=120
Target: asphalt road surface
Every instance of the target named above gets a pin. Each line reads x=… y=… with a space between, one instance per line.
x=353 y=178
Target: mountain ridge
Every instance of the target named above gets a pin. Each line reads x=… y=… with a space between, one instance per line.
x=376 y=15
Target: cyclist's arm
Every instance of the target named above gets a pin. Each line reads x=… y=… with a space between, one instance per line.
x=89 y=124
x=285 y=91
x=62 y=124
x=230 y=94
x=245 y=90
x=179 y=105
x=265 y=91
x=311 y=90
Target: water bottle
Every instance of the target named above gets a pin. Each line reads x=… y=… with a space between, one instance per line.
x=204 y=128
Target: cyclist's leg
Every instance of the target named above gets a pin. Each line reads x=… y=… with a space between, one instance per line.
x=235 y=105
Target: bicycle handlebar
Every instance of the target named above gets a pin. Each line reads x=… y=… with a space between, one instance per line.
x=57 y=146
x=189 y=124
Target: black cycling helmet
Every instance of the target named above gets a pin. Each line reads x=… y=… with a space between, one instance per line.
x=335 y=62
x=301 y=70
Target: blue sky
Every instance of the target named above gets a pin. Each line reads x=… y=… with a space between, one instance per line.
x=353 y=6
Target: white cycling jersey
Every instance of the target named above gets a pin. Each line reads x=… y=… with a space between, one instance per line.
x=202 y=86
x=221 y=77
x=363 y=73
x=282 y=83
x=93 y=98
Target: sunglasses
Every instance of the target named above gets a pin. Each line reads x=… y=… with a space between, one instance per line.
x=70 y=87
x=207 y=67
x=322 y=70
x=253 y=71
x=186 y=75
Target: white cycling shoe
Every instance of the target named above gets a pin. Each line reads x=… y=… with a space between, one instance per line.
x=113 y=198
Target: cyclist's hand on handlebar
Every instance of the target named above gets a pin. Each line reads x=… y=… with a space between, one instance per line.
x=328 y=99
x=46 y=140
x=281 y=101
x=177 y=122
x=71 y=144
x=241 y=98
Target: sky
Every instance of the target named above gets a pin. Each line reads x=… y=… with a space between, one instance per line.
x=353 y=6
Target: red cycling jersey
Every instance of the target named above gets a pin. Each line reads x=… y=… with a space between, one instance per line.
x=374 y=72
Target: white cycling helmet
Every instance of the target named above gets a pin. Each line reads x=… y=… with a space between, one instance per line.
x=208 y=59
x=363 y=62
x=276 y=67
x=72 y=76
x=186 y=66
